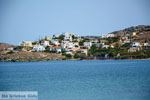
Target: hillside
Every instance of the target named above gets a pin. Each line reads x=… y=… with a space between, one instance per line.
x=138 y=29
x=4 y=46
x=29 y=56
x=129 y=43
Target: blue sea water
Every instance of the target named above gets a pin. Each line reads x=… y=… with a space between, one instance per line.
x=79 y=80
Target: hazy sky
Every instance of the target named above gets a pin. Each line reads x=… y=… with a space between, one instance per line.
x=31 y=19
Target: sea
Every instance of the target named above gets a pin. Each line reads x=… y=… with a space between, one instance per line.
x=79 y=79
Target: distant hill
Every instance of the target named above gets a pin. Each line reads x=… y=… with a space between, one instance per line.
x=4 y=46
x=139 y=28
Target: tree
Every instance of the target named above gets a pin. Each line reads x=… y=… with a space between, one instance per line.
x=126 y=45
x=76 y=55
x=34 y=43
x=47 y=49
x=112 y=39
x=81 y=42
x=93 y=49
x=18 y=48
x=61 y=37
x=68 y=56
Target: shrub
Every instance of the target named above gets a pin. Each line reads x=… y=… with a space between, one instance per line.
x=68 y=56
x=10 y=52
x=76 y=55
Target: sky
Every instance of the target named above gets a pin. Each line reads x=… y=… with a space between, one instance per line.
x=32 y=19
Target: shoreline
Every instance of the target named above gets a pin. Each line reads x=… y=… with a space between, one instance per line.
x=70 y=60
x=24 y=56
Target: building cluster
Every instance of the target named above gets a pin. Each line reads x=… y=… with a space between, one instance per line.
x=137 y=40
x=66 y=42
x=71 y=43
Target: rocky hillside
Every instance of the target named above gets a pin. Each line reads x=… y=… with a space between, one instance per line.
x=4 y=46
x=138 y=29
x=29 y=56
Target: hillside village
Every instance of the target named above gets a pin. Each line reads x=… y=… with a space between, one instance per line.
x=130 y=43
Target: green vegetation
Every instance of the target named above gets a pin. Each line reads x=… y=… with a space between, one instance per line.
x=10 y=52
x=68 y=56
x=118 y=53
x=61 y=37
x=79 y=55
x=93 y=50
x=112 y=40
x=18 y=48
x=126 y=45
x=76 y=56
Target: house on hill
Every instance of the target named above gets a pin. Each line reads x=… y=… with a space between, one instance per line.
x=38 y=48
x=26 y=44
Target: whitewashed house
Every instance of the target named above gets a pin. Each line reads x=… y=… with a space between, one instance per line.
x=110 y=35
x=134 y=33
x=133 y=49
x=10 y=49
x=87 y=44
x=68 y=36
x=68 y=44
x=85 y=51
x=64 y=44
x=38 y=48
x=55 y=42
x=45 y=43
x=146 y=44
x=125 y=40
x=57 y=49
x=136 y=44
x=26 y=43
x=112 y=46
x=105 y=46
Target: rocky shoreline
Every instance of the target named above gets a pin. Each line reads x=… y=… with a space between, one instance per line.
x=24 y=56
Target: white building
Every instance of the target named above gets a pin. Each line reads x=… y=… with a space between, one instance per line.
x=26 y=43
x=56 y=49
x=68 y=44
x=136 y=44
x=38 y=48
x=10 y=49
x=125 y=40
x=110 y=35
x=87 y=44
x=133 y=49
x=146 y=44
x=105 y=46
x=68 y=36
x=45 y=43
x=85 y=51
x=55 y=42
x=134 y=34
